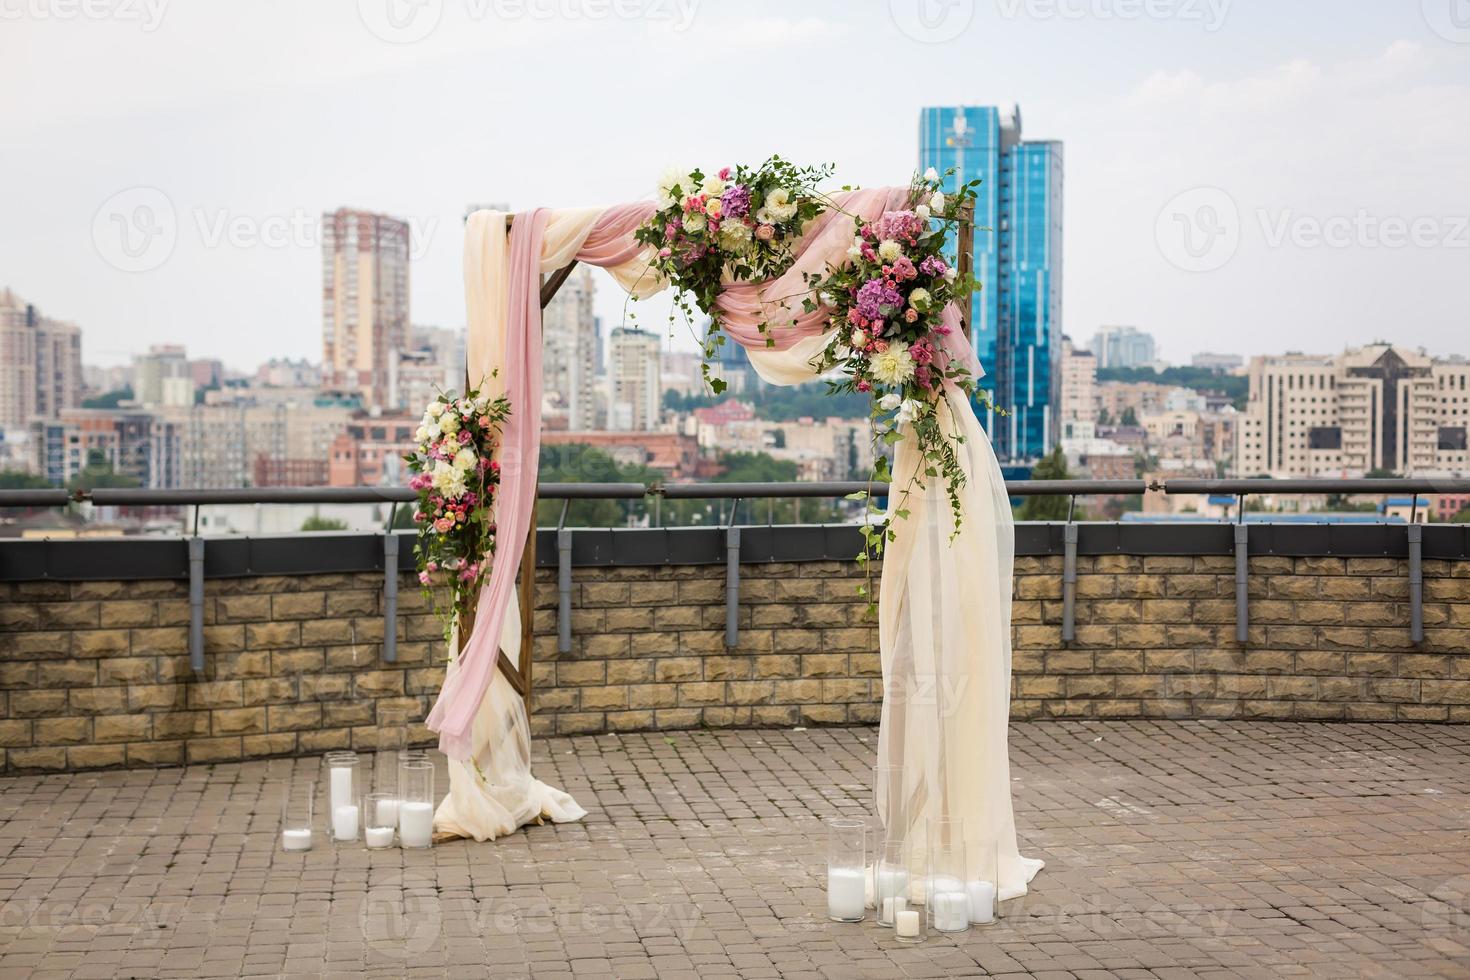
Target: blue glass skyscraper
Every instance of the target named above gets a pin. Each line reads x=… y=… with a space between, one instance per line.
x=1016 y=317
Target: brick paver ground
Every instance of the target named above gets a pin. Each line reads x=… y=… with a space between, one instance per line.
x=1173 y=850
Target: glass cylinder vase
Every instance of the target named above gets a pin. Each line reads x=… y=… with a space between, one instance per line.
x=846 y=869
x=380 y=820
x=891 y=879
x=344 y=794
x=416 y=802
x=298 y=807
x=946 y=901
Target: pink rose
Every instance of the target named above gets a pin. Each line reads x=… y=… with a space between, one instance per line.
x=765 y=232
x=910 y=315
x=725 y=173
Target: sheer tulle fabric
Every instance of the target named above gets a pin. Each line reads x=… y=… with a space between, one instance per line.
x=944 y=616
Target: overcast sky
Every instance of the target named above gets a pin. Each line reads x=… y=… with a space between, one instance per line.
x=1241 y=175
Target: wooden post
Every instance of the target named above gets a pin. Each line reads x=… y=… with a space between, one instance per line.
x=965 y=248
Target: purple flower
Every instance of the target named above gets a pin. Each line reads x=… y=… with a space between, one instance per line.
x=736 y=200
x=900 y=225
x=873 y=296
x=933 y=266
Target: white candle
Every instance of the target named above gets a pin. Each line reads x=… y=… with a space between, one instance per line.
x=341 y=787
x=907 y=924
x=344 y=822
x=982 y=901
x=891 y=908
x=415 y=824
x=846 y=893
x=951 y=911
x=379 y=836
x=296 y=840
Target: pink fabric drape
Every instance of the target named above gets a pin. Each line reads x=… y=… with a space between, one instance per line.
x=743 y=306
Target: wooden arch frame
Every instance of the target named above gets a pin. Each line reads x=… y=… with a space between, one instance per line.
x=519 y=675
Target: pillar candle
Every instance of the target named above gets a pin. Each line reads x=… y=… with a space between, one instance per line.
x=341 y=787
x=846 y=893
x=906 y=923
x=296 y=840
x=415 y=824
x=982 y=901
x=379 y=836
x=344 y=822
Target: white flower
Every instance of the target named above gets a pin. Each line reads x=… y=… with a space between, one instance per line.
x=895 y=366
x=826 y=298
x=855 y=252
x=859 y=340
x=888 y=250
x=890 y=401
x=778 y=203
x=907 y=412
x=694 y=222
x=923 y=212
x=931 y=175
x=421 y=434
x=713 y=186
x=937 y=202
x=449 y=423
x=436 y=409
x=448 y=480
x=481 y=404
x=764 y=217
x=919 y=299
x=951 y=274
x=465 y=459
x=672 y=178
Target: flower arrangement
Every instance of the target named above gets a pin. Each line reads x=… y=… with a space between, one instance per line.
x=735 y=224
x=456 y=477
x=888 y=304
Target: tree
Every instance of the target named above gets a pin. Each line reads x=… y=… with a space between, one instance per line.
x=1463 y=517
x=1130 y=417
x=315 y=523
x=1104 y=417
x=1052 y=467
x=98 y=474
x=20 y=480
x=110 y=399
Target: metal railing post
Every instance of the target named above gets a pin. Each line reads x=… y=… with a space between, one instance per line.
x=1069 y=575
x=196 y=604
x=1242 y=573
x=732 y=580
x=563 y=583
x=1416 y=582
x=390 y=597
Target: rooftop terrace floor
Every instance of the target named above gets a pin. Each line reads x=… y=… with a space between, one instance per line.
x=1174 y=850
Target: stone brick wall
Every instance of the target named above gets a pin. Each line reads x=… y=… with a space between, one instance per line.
x=96 y=674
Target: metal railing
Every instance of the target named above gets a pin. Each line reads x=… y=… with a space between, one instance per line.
x=1072 y=489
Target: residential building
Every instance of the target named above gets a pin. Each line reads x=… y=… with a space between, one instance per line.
x=365 y=301
x=1123 y=347
x=369 y=451
x=569 y=342
x=276 y=443
x=434 y=363
x=282 y=372
x=1117 y=398
x=1219 y=363
x=78 y=438
x=635 y=387
x=1378 y=407
x=40 y=363
x=1078 y=401
x=153 y=371
x=822 y=449
x=673 y=454
x=1016 y=319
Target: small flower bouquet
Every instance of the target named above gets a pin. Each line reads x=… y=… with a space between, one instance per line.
x=456 y=476
x=736 y=224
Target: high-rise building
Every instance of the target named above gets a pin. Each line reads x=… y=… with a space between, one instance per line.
x=1078 y=401
x=569 y=339
x=158 y=373
x=40 y=363
x=1016 y=318
x=636 y=389
x=1123 y=347
x=433 y=363
x=364 y=301
x=1378 y=407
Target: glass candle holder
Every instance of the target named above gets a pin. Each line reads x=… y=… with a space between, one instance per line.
x=847 y=873
x=297 y=809
x=344 y=794
x=416 y=802
x=891 y=879
x=946 y=901
x=983 y=885
x=380 y=820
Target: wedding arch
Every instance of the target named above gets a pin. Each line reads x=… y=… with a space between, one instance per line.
x=850 y=286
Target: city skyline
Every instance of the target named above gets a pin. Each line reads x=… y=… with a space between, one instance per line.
x=1152 y=110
